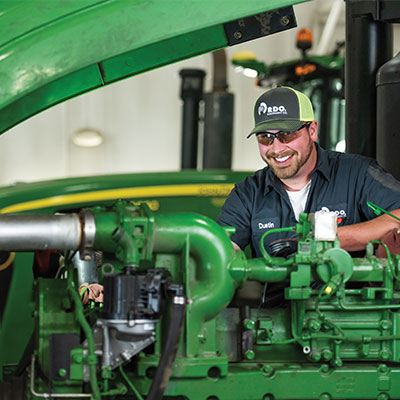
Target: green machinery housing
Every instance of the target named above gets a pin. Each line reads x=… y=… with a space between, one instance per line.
x=173 y=323
x=124 y=287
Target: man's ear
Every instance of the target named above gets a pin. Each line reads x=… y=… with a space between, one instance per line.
x=313 y=130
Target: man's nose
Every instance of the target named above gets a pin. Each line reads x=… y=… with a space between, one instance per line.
x=277 y=146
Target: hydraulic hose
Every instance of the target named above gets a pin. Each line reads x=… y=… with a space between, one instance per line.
x=167 y=359
x=89 y=336
x=267 y=257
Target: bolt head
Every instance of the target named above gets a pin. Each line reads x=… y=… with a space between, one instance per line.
x=77 y=358
x=249 y=324
x=238 y=35
x=285 y=20
x=267 y=370
x=383 y=368
x=249 y=354
x=382 y=396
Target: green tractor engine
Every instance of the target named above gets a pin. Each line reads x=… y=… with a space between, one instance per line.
x=161 y=306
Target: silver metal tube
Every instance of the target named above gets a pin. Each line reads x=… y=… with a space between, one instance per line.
x=40 y=232
x=106 y=347
x=87 y=270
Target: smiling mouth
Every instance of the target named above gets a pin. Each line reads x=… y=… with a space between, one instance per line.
x=282 y=159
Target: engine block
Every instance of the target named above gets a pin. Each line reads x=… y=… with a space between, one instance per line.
x=185 y=316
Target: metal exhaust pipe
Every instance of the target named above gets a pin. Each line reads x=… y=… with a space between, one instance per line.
x=22 y=232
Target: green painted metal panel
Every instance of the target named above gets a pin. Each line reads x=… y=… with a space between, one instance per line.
x=158 y=54
x=169 y=189
x=49 y=95
x=17 y=323
x=43 y=42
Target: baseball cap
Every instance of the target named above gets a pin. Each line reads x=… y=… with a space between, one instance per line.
x=283 y=109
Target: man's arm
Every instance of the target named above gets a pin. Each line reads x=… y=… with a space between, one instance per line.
x=356 y=237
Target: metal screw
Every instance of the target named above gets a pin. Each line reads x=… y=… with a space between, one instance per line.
x=337 y=363
x=327 y=354
x=238 y=35
x=315 y=356
x=383 y=368
x=384 y=354
x=77 y=358
x=202 y=338
x=285 y=20
x=62 y=372
x=249 y=354
x=267 y=370
x=325 y=396
x=325 y=368
x=385 y=324
x=382 y=396
x=314 y=325
x=249 y=324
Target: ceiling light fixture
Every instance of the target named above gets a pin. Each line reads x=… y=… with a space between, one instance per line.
x=87 y=138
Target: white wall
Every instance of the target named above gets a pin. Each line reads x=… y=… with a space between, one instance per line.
x=140 y=118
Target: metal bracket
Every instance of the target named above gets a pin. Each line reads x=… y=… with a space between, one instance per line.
x=51 y=395
x=259 y=25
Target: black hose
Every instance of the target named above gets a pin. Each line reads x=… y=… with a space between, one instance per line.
x=167 y=359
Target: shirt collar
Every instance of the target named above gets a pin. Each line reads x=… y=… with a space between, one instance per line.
x=272 y=182
x=322 y=163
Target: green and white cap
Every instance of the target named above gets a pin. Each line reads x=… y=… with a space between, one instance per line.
x=283 y=109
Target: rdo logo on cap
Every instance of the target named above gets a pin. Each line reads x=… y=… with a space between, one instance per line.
x=263 y=108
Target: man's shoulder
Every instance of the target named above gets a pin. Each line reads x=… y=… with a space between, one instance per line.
x=346 y=159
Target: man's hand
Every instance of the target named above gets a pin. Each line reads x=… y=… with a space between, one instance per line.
x=356 y=237
x=236 y=246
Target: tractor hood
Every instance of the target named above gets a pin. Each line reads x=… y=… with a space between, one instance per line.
x=51 y=51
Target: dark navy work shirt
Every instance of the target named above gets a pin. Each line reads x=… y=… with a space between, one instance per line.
x=341 y=182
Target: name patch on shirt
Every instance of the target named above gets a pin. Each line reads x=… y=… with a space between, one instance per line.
x=266 y=224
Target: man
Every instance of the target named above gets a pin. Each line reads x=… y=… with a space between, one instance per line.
x=302 y=177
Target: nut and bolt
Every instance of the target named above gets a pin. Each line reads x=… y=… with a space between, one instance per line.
x=314 y=325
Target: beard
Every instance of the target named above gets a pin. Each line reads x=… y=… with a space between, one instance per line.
x=297 y=161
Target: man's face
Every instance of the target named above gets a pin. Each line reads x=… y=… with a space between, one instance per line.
x=287 y=160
